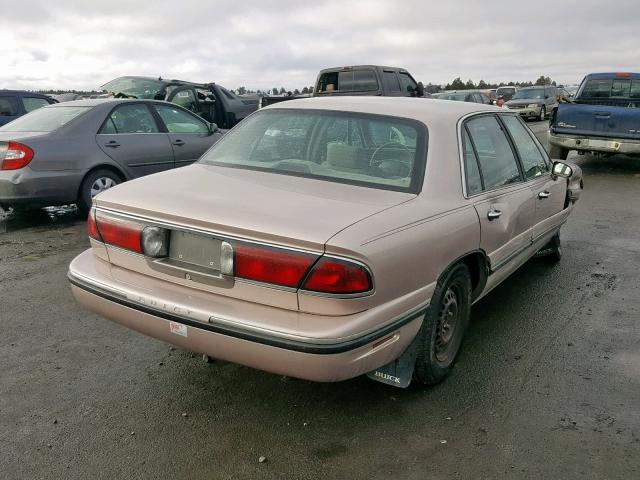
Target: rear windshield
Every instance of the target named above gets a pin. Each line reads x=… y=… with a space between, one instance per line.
x=348 y=81
x=611 y=88
x=457 y=97
x=359 y=149
x=45 y=119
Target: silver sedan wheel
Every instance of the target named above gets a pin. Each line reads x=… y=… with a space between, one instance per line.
x=101 y=184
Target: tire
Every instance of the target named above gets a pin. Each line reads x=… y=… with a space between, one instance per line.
x=552 y=251
x=558 y=153
x=94 y=183
x=543 y=114
x=451 y=301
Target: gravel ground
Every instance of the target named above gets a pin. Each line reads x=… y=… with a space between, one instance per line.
x=547 y=384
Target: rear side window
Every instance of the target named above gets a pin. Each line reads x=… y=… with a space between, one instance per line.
x=8 y=107
x=130 y=119
x=498 y=164
x=33 y=103
x=328 y=82
x=532 y=159
x=472 y=172
x=364 y=80
x=611 y=88
x=391 y=82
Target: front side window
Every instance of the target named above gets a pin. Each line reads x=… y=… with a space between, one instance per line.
x=360 y=149
x=179 y=121
x=407 y=83
x=533 y=161
x=8 y=107
x=45 y=119
x=33 y=103
x=498 y=164
x=130 y=119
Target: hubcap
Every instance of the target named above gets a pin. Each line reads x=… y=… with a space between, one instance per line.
x=448 y=321
x=101 y=184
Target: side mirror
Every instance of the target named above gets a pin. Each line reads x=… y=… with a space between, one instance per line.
x=213 y=128
x=561 y=169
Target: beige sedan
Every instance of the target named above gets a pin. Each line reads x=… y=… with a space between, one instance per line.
x=330 y=238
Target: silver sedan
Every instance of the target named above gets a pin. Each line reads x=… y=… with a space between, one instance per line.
x=70 y=152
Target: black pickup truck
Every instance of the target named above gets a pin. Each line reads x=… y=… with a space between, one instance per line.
x=604 y=118
x=212 y=102
x=370 y=80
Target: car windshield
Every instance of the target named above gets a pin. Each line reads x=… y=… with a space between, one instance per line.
x=529 y=93
x=134 y=87
x=45 y=119
x=359 y=149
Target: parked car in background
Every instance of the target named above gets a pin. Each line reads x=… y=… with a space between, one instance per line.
x=572 y=90
x=506 y=92
x=534 y=102
x=308 y=244
x=604 y=117
x=212 y=102
x=15 y=103
x=491 y=93
x=360 y=80
x=473 y=96
x=69 y=152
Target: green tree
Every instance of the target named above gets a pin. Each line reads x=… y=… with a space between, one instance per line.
x=282 y=91
x=456 y=84
x=242 y=90
x=305 y=90
x=482 y=84
x=469 y=85
x=275 y=91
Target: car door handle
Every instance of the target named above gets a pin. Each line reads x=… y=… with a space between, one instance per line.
x=493 y=214
x=178 y=143
x=112 y=144
x=544 y=194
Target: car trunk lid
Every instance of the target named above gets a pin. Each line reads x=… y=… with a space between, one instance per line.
x=605 y=121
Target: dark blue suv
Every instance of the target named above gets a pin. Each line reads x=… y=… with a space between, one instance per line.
x=15 y=103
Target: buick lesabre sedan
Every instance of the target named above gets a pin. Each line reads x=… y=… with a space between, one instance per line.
x=329 y=238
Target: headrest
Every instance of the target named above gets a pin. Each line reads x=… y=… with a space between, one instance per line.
x=342 y=156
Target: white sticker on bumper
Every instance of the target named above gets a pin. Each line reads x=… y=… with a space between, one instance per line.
x=178 y=328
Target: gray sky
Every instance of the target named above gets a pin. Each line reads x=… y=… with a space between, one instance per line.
x=262 y=44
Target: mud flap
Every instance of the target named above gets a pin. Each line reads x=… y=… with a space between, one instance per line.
x=399 y=372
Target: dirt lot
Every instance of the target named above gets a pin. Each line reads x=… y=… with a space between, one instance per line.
x=547 y=385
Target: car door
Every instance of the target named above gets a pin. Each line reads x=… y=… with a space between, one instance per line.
x=504 y=203
x=131 y=136
x=548 y=191
x=9 y=109
x=189 y=135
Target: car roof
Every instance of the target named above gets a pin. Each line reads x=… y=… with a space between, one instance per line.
x=426 y=110
x=94 y=102
x=608 y=75
x=24 y=92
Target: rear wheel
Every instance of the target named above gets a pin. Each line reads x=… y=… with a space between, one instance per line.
x=558 y=153
x=94 y=183
x=552 y=251
x=443 y=328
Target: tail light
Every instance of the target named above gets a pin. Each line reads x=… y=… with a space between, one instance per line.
x=16 y=156
x=272 y=265
x=337 y=276
x=115 y=231
x=290 y=269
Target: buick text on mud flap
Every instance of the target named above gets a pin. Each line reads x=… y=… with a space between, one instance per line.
x=386 y=376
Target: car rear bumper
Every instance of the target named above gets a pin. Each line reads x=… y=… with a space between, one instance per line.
x=319 y=359
x=27 y=187
x=588 y=144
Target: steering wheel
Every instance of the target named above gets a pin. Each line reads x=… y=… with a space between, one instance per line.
x=373 y=162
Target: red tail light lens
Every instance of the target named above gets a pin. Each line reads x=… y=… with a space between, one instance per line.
x=92 y=227
x=272 y=265
x=119 y=233
x=335 y=276
x=17 y=156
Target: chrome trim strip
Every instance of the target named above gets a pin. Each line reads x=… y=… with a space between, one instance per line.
x=266 y=337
